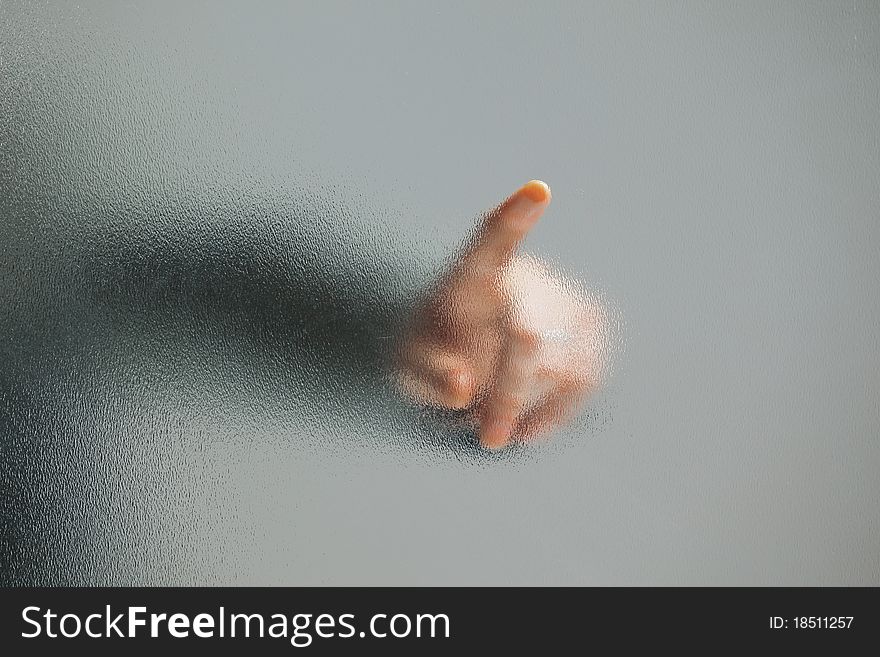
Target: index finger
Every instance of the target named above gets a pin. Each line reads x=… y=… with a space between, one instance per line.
x=504 y=227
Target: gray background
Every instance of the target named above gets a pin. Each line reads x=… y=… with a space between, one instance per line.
x=212 y=217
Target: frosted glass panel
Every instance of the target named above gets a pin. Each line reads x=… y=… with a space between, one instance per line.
x=217 y=221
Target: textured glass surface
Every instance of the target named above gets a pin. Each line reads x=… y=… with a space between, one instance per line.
x=216 y=218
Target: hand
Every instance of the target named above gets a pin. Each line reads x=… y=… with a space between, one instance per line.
x=502 y=337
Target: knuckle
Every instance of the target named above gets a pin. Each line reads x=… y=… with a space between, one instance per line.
x=525 y=338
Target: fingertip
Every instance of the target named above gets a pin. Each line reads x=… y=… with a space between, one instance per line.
x=536 y=191
x=496 y=434
x=504 y=227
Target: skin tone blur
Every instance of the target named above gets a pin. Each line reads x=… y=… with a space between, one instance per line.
x=502 y=337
